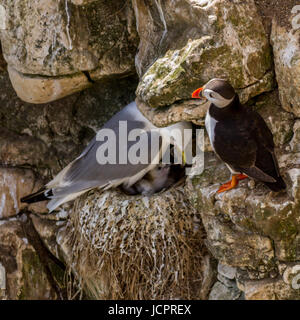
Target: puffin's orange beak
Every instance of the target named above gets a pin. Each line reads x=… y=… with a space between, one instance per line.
x=197 y=94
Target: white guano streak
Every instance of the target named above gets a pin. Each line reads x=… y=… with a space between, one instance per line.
x=162 y=18
x=68 y=25
x=2 y=204
x=2 y=18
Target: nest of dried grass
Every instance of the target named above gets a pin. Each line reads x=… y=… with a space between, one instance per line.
x=137 y=247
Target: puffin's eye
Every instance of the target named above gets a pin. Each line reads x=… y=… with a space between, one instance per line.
x=211 y=95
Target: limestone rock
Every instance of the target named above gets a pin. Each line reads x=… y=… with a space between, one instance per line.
x=37 y=89
x=2 y=281
x=55 y=38
x=231 y=246
x=49 y=136
x=62 y=39
x=286 y=47
x=279 y=121
x=253 y=230
x=295 y=142
x=242 y=224
x=48 y=230
x=270 y=289
x=209 y=276
x=25 y=277
x=64 y=242
x=81 y=2
x=216 y=39
x=291 y=276
x=20 y=150
x=14 y=184
x=294 y=179
x=192 y=110
x=222 y=292
x=227 y=282
x=227 y=271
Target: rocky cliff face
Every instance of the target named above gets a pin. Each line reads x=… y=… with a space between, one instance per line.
x=67 y=67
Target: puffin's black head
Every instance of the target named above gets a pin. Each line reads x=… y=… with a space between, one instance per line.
x=217 y=91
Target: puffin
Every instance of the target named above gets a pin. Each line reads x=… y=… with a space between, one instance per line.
x=239 y=136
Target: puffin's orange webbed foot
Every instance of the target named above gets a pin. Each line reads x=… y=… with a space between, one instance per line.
x=233 y=183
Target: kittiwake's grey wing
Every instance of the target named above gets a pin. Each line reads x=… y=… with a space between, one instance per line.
x=85 y=172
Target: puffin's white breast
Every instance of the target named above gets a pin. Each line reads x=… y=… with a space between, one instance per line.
x=210 y=124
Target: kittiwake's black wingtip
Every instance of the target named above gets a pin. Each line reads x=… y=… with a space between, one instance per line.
x=38 y=196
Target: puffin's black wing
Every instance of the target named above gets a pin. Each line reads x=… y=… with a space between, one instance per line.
x=265 y=157
x=246 y=144
x=264 y=136
x=231 y=139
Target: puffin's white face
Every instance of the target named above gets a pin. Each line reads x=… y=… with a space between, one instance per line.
x=216 y=98
x=217 y=91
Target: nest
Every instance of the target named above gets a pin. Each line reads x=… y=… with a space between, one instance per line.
x=136 y=247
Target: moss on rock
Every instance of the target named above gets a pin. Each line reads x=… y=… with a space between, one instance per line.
x=231 y=46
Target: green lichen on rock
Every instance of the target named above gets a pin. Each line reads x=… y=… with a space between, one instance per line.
x=58 y=275
x=232 y=47
x=161 y=82
x=35 y=282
